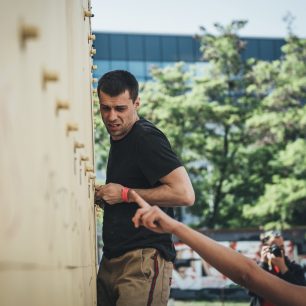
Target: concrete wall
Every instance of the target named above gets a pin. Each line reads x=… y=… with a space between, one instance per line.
x=47 y=215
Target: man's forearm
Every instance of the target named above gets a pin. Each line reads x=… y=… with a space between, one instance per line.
x=165 y=196
x=175 y=190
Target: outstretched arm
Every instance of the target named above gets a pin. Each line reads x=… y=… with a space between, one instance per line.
x=237 y=267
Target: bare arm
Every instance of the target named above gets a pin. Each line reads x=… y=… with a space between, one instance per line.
x=241 y=269
x=237 y=267
x=176 y=190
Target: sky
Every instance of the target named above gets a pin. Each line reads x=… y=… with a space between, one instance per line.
x=265 y=17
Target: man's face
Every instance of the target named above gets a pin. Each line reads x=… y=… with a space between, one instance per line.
x=279 y=241
x=118 y=113
x=265 y=250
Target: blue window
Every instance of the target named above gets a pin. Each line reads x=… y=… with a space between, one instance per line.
x=252 y=48
x=102 y=45
x=138 y=69
x=185 y=46
x=152 y=48
x=166 y=64
x=135 y=48
x=103 y=67
x=118 y=65
x=169 y=49
x=118 y=47
x=266 y=49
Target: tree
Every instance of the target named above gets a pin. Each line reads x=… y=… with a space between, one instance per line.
x=239 y=129
x=204 y=118
x=278 y=125
x=102 y=144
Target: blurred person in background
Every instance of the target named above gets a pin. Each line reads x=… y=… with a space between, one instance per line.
x=274 y=260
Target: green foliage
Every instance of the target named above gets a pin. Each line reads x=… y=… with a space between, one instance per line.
x=283 y=204
x=239 y=129
x=101 y=137
x=231 y=127
x=279 y=125
x=204 y=118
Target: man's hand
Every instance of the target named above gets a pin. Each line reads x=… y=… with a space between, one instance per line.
x=110 y=193
x=271 y=259
x=265 y=253
x=151 y=217
x=279 y=262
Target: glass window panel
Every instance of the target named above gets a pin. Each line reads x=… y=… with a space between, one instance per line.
x=103 y=67
x=135 y=47
x=137 y=68
x=142 y=80
x=152 y=48
x=169 y=48
x=166 y=64
x=266 y=49
x=118 y=47
x=102 y=46
x=185 y=46
x=118 y=65
x=251 y=49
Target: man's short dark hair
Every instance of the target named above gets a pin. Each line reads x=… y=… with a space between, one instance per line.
x=114 y=83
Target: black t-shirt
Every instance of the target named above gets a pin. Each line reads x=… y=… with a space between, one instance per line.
x=138 y=160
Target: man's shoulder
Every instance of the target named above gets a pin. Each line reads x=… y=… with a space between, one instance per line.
x=144 y=127
x=292 y=264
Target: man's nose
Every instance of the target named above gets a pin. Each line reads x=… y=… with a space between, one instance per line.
x=112 y=115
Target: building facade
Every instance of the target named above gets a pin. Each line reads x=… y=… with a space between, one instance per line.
x=137 y=53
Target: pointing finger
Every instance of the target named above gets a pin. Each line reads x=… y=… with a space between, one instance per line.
x=138 y=199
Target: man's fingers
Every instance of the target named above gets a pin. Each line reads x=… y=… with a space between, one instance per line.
x=98 y=187
x=99 y=190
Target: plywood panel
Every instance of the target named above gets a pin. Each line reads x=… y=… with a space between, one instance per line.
x=47 y=220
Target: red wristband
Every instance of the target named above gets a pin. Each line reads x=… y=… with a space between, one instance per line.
x=124 y=194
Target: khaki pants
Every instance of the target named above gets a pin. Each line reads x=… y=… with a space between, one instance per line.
x=138 y=278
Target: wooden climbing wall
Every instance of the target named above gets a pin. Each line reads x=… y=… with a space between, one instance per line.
x=47 y=215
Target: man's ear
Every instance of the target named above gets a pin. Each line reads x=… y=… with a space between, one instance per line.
x=137 y=102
